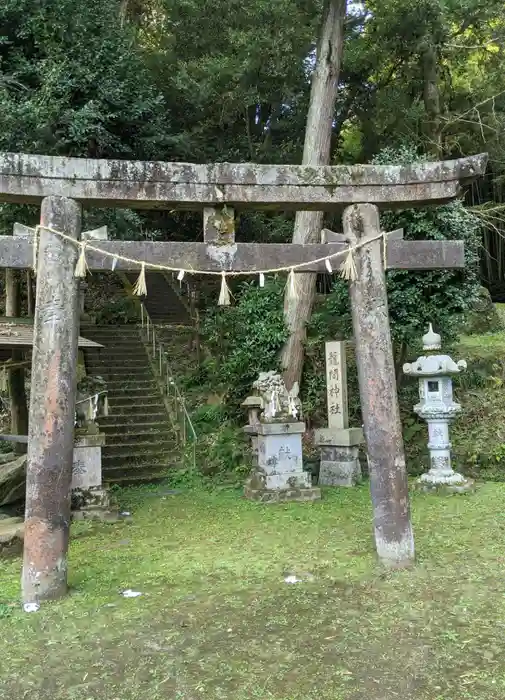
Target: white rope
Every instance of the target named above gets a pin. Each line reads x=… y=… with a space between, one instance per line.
x=232 y=273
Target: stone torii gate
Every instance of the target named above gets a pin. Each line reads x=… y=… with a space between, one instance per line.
x=62 y=185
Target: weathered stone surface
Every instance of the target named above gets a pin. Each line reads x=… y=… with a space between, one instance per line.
x=419 y=255
x=336 y=385
x=52 y=406
x=347 y=437
x=424 y=255
x=92 y=504
x=29 y=178
x=18 y=253
x=281 y=495
x=279 y=475
x=413 y=255
x=339 y=466
x=12 y=480
x=466 y=486
x=87 y=462
x=379 y=403
x=11 y=536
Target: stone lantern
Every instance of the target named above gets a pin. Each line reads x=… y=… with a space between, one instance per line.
x=438 y=409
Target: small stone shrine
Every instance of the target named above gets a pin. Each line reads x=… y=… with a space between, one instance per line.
x=438 y=408
x=339 y=444
x=279 y=474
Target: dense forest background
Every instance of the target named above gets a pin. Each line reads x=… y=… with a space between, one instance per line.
x=230 y=81
x=185 y=80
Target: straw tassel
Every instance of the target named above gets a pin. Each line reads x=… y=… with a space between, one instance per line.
x=348 y=270
x=105 y=407
x=262 y=279
x=224 y=294
x=81 y=269
x=180 y=276
x=328 y=266
x=140 y=286
x=114 y=263
x=292 y=290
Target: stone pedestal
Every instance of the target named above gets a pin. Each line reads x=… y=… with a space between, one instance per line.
x=89 y=499
x=279 y=475
x=340 y=465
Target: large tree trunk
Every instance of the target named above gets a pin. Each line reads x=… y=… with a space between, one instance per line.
x=16 y=377
x=431 y=97
x=316 y=151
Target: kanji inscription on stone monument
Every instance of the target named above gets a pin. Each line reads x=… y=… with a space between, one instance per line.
x=336 y=385
x=339 y=444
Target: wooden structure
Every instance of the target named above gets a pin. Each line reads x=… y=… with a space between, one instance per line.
x=61 y=185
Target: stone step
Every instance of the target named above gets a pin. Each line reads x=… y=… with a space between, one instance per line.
x=140 y=446
x=131 y=387
x=121 y=371
x=125 y=398
x=114 y=356
x=134 y=373
x=117 y=349
x=110 y=343
x=115 y=384
x=140 y=408
x=115 y=339
x=129 y=419
x=112 y=330
x=119 y=368
x=125 y=360
x=136 y=428
x=145 y=473
x=135 y=460
x=134 y=391
x=139 y=436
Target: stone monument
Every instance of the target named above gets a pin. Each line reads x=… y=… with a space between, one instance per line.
x=338 y=442
x=90 y=500
x=438 y=408
x=279 y=474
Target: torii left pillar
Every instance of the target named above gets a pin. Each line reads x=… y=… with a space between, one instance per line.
x=52 y=405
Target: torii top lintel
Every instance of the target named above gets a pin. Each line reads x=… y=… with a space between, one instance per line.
x=157 y=185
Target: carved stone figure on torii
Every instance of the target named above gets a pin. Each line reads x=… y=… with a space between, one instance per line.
x=63 y=185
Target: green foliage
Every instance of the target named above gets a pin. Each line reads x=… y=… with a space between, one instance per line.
x=441 y=297
x=120 y=310
x=5 y=611
x=74 y=82
x=219 y=454
x=245 y=339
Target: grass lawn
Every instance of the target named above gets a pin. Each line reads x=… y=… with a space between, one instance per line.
x=216 y=619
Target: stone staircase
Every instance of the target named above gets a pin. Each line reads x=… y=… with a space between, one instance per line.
x=140 y=442
x=162 y=302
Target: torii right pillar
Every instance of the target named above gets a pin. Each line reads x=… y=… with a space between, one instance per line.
x=394 y=538
x=376 y=371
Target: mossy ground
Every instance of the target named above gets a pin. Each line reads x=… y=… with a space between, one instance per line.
x=217 y=620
